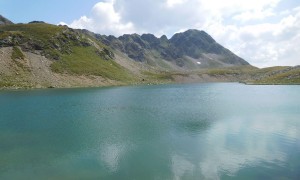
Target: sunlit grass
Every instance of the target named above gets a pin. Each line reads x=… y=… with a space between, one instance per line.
x=85 y=61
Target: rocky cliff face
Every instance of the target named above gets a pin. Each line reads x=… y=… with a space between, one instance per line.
x=196 y=44
x=191 y=49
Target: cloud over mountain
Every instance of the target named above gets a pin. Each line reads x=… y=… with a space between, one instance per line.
x=104 y=19
x=264 y=32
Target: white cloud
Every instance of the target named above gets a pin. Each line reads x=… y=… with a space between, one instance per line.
x=250 y=15
x=172 y=3
x=104 y=19
x=263 y=43
x=255 y=30
x=83 y=23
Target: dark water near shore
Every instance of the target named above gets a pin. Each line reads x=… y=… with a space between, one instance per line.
x=191 y=131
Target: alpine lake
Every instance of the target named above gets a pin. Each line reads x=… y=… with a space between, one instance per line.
x=175 y=131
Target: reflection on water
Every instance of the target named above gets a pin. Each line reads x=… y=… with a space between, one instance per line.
x=239 y=144
x=204 y=131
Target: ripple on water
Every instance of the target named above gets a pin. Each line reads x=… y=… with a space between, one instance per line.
x=192 y=131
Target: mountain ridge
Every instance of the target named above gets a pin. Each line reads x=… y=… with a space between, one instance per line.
x=192 y=45
x=40 y=55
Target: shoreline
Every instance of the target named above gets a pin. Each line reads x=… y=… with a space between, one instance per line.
x=140 y=84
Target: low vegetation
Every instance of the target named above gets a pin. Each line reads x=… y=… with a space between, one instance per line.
x=43 y=32
x=160 y=76
x=50 y=40
x=86 y=61
x=280 y=75
x=17 y=54
x=72 y=51
x=76 y=53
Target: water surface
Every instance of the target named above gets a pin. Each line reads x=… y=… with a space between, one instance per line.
x=191 y=131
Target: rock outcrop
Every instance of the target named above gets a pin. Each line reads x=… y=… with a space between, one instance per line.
x=191 y=49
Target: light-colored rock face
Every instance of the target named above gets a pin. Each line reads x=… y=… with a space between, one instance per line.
x=5 y=61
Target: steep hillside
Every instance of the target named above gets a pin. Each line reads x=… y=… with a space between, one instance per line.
x=189 y=50
x=63 y=51
x=4 y=21
x=199 y=45
x=40 y=55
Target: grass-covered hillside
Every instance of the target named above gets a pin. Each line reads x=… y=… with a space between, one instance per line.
x=69 y=51
x=38 y=55
x=277 y=75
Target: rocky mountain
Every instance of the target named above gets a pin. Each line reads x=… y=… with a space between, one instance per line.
x=192 y=49
x=40 y=55
x=4 y=21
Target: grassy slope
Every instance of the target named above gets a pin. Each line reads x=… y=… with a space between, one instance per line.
x=83 y=60
x=237 y=70
x=247 y=74
x=41 y=32
x=168 y=76
x=87 y=61
x=17 y=54
x=278 y=75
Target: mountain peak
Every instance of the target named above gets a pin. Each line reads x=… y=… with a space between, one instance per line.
x=193 y=36
x=5 y=21
x=164 y=38
x=193 y=31
x=182 y=49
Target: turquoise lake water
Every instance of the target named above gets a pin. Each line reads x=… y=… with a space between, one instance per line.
x=189 y=131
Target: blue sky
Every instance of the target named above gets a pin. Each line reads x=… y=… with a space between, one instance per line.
x=51 y=11
x=263 y=32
